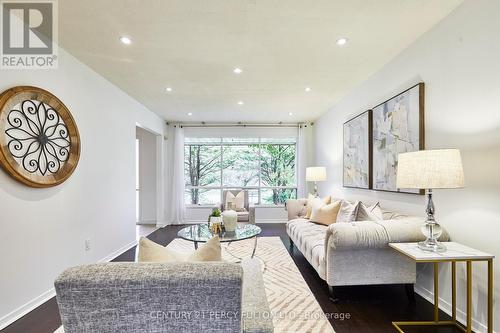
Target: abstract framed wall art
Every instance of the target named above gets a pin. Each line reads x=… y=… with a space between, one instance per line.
x=39 y=139
x=398 y=127
x=357 y=152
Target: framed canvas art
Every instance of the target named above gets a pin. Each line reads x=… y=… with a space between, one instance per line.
x=398 y=127
x=357 y=152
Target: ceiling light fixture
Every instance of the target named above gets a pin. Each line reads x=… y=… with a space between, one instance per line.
x=190 y=114
x=237 y=70
x=168 y=89
x=342 y=41
x=240 y=103
x=125 y=40
x=307 y=89
x=290 y=114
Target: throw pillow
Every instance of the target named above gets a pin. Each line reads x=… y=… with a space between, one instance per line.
x=372 y=213
x=150 y=251
x=348 y=211
x=311 y=200
x=238 y=200
x=325 y=214
x=210 y=251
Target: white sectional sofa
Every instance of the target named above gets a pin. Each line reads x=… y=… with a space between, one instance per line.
x=356 y=253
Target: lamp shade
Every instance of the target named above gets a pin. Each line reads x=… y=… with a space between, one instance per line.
x=315 y=174
x=430 y=169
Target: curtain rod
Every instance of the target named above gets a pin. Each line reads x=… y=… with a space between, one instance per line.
x=243 y=125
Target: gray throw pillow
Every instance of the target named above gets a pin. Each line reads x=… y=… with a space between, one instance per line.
x=371 y=213
x=348 y=211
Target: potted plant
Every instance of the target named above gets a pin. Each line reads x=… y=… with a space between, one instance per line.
x=215 y=217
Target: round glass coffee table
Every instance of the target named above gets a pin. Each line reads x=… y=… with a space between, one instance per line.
x=201 y=233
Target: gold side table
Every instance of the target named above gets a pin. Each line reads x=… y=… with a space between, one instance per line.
x=455 y=253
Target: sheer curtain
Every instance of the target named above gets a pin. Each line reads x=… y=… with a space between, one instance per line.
x=301 y=162
x=176 y=204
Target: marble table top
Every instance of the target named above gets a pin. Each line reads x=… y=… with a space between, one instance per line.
x=454 y=251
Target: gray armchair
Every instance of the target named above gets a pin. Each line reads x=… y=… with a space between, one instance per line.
x=168 y=297
x=244 y=216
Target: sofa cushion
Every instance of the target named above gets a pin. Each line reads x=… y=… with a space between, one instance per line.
x=371 y=213
x=348 y=211
x=309 y=237
x=325 y=214
x=243 y=216
x=238 y=200
x=312 y=201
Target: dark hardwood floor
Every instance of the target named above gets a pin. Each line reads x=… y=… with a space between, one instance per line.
x=371 y=308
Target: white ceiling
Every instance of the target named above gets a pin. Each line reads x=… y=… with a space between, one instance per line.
x=282 y=47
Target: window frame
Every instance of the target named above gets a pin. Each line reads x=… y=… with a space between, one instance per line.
x=221 y=143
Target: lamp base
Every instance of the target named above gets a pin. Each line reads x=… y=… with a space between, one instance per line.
x=431 y=230
x=431 y=245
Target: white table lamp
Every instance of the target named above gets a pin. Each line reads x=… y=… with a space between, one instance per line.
x=431 y=169
x=315 y=174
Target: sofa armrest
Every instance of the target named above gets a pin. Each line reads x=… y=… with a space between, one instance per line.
x=251 y=213
x=376 y=234
x=296 y=208
x=117 y=296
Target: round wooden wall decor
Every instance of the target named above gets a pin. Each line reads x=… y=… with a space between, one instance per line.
x=39 y=140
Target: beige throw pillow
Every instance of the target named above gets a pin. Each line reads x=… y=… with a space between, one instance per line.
x=348 y=211
x=312 y=200
x=210 y=251
x=150 y=251
x=325 y=214
x=372 y=213
x=238 y=199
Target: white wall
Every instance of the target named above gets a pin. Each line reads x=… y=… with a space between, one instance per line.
x=459 y=61
x=44 y=230
x=147 y=176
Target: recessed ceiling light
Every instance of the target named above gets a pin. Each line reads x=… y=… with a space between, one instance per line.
x=307 y=89
x=240 y=103
x=237 y=70
x=125 y=40
x=342 y=41
x=290 y=114
x=168 y=89
x=190 y=113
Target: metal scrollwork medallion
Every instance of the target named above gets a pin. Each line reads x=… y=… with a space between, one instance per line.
x=39 y=140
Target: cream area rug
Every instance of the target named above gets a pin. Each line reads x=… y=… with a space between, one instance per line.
x=292 y=303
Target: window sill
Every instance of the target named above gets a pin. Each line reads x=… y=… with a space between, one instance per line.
x=269 y=206
x=201 y=206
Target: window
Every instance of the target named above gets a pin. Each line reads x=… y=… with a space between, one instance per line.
x=264 y=167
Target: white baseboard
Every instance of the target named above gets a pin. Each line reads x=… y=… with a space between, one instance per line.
x=26 y=308
x=36 y=302
x=445 y=306
x=116 y=253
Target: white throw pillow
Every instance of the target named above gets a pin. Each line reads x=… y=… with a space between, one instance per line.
x=348 y=211
x=312 y=200
x=238 y=199
x=372 y=213
x=150 y=251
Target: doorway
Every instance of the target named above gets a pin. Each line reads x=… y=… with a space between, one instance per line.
x=146 y=166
